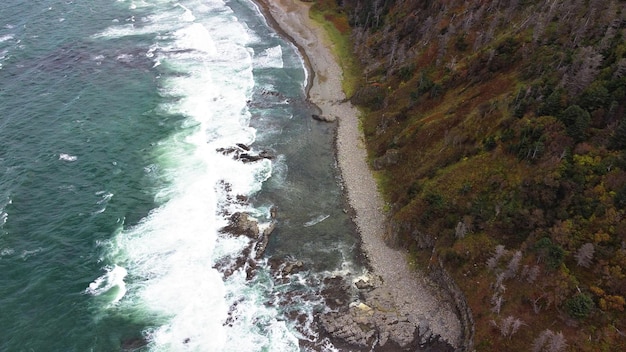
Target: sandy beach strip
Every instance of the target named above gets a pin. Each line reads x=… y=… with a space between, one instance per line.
x=414 y=294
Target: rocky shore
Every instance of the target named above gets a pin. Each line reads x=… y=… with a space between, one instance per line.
x=397 y=307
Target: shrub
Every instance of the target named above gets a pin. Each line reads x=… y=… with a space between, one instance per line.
x=620 y=198
x=372 y=96
x=489 y=143
x=460 y=43
x=551 y=253
x=406 y=72
x=579 y=306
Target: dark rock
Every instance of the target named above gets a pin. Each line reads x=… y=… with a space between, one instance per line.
x=293 y=267
x=323 y=118
x=228 y=265
x=285 y=267
x=226 y=151
x=243 y=152
x=365 y=285
x=242 y=224
x=246 y=157
x=260 y=246
x=266 y=155
x=243 y=146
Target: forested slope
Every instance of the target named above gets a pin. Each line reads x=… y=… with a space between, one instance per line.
x=498 y=134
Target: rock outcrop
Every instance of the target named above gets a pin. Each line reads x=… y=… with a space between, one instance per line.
x=375 y=323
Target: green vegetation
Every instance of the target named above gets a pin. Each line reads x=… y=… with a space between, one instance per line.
x=335 y=23
x=509 y=119
x=579 y=306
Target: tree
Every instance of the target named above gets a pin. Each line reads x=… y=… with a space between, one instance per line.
x=552 y=105
x=508 y=326
x=493 y=261
x=513 y=267
x=596 y=96
x=579 y=306
x=551 y=253
x=584 y=70
x=576 y=121
x=548 y=341
x=619 y=138
x=585 y=255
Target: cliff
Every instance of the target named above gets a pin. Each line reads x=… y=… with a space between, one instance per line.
x=497 y=132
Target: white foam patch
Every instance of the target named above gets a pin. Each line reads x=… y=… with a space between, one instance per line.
x=67 y=157
x=169 y=256
x=270 y=58
x=316 y=220
x=195 y=37
x=3 y=214
x=6 y=38
x=111 y=283
x=4 y=252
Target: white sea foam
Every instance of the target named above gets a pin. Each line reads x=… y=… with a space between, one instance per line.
x=316 y=220
x=270 y=58
x=6 y=37
x=110 y=283
x=67 y=157
x=202 y=51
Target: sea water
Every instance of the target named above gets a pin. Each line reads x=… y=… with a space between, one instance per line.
x=115 y=186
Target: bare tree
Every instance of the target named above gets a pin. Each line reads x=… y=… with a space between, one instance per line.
x=532 y=274
x=508 y=326
x=620 y=71
x=496 y=302
x=584 y=70
x=557 y=343
x=461 y=229
x=548 y=341
x=585 y=255
x=513 y=267
x=493 y=261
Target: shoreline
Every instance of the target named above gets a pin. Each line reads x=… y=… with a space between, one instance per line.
x=413 y=293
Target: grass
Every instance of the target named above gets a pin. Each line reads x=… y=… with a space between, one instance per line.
x=338 y=32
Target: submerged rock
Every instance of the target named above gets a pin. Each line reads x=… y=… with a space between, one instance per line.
x=133 y=343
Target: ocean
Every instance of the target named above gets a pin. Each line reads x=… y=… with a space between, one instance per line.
x=120 y=126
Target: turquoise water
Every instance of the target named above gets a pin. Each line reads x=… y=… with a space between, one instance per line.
x=113 y=194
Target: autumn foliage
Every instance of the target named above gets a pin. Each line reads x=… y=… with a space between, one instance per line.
x=507 y=118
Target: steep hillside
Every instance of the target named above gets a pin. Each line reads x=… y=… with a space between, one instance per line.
x=497 y=128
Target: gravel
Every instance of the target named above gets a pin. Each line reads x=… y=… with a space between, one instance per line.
x=414 y=294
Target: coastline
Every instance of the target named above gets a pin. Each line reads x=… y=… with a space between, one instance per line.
x=414 y=295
